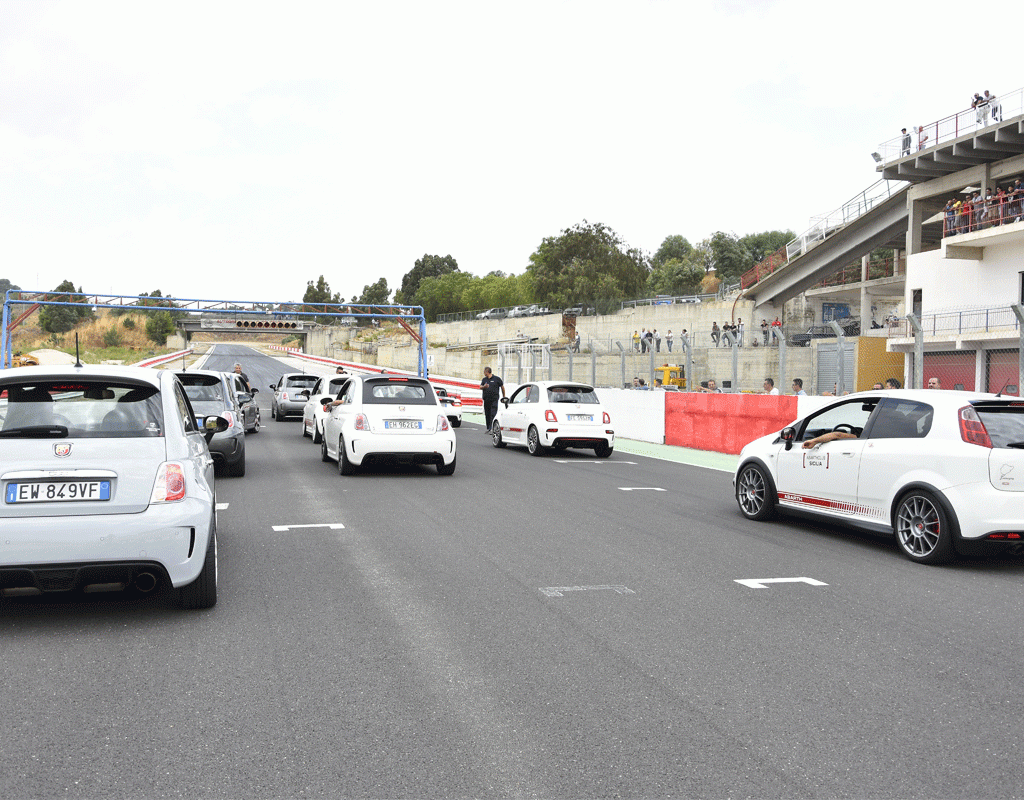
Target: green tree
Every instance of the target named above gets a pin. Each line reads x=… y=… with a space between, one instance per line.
x=675 y=277
x=317 y=294
x=60 y=319
x=674 y=247
x=724 y=252
x=587 y=264
x=159 y=326
x=444 y=294
x=374 y=294
x=427 y=267
x=6 y=285
x=761 y=245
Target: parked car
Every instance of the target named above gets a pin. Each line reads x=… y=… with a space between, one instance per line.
x=942 y=471
x=492 y=313
x=537 y=310
x=388 y=418
x=213 y=394
x=108 y=484
x=288 y=398
x=518 y=311
x=313 y=412
x=452 y=404
x=849 y=326
x=554 y=414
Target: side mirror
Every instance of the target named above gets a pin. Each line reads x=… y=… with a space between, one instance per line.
x=273 y=386
x=212 y=425
x=504 y=401
x=304 y=394
x=253 y=390
x=325 y=400
x=244 y=398
x=788 y=435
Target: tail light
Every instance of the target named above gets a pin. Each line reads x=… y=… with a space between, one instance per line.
x=170 y=483
x=549 y=416
x=284 y=395
x=361 y=423
x=230 y=417
x=972 y=429
x=442 y=422
x=607 y=420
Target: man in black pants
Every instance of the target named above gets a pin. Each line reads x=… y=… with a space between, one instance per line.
x=490 y=386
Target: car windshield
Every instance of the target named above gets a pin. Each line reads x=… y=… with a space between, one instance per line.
x=398 y=390
x=301 y=381
x=202 y=389
x=86 y=409
x=1004 y=423
x=572 y=394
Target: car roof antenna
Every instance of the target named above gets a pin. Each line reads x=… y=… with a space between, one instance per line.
x=78 y=360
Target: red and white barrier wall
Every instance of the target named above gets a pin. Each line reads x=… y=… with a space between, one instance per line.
x=156 y=362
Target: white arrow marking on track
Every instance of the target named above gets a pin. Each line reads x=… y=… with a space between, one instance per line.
x=759 y=583
x=332 y=525
x=641 y=489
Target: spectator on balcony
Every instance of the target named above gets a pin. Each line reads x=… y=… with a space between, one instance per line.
x=1016 y=198
x=922 y=137
x=764 y=331
x=1002 y=211
x=987 y=216
x=716 y=333
x=980 y=105
x=958 y=216
x=905 y=143
x=776 y=327
x=994 y=107
x=950 y=217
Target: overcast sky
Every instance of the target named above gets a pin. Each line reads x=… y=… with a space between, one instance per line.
x=238 y=150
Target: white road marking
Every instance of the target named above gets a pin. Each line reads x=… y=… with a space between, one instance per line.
x=581 y=461
x=223 y=506
x=334 y=526
x=759 y=583
x=641 y=489
x=559 y=591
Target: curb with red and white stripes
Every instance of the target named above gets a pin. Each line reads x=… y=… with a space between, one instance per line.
x=156 y=362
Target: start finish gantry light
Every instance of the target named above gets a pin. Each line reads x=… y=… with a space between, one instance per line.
x=244 y=315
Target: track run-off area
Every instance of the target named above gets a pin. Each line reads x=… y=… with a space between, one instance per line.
x=561 y=626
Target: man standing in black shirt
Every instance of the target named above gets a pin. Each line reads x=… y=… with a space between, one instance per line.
x=490 y=386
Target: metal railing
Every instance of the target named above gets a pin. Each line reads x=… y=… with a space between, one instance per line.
x=948 y=128
x=853 y=273
x=668 y=300
x=948 y=323
x=970 y=216
x=822 y=227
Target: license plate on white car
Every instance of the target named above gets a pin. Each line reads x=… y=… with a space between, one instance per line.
x=57 y=492
x=581 y=418
x=403 y=424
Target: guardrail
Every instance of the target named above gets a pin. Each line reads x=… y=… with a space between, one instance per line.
x=158 y=360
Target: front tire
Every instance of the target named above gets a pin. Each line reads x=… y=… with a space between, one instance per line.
x=923 y=529
x=496 y=439
x=533 y=444
x=754 y=493
x=202 y=592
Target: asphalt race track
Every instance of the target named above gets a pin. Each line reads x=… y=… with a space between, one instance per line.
x=555 y=627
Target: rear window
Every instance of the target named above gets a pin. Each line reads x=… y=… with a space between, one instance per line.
x=301 y=381
x=572 y=394
x=400 y=391
x=91 y=409
x=1004 y=423
x=202 y=388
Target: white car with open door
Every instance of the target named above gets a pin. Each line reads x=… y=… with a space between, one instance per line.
x=388 y=419
x=943 y=471
x=314 y=413
x=554 y=414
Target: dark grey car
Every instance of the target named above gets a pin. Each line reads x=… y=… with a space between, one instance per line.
x=288 y=400
x=213 y=394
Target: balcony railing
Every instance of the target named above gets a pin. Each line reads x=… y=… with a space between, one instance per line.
x=952 y=323
x=948 y=128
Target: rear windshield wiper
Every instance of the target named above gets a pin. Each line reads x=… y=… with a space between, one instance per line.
x=1018 y=445
x=35 y=432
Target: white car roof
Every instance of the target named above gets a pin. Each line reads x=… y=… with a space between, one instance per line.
x=113 y=372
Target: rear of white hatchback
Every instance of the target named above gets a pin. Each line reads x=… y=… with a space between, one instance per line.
x=107 y=484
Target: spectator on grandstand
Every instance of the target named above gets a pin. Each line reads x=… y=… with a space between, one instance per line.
x=905 y=143
x=893 y=383
x=934 y=383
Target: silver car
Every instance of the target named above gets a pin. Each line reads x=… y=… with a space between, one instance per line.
x=288 y=399
x=107 y=484
x=213 y=394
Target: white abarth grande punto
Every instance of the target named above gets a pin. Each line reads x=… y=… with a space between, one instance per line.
x=107 y=484
x=942 y=471
x=388 y=418
x=554 y=414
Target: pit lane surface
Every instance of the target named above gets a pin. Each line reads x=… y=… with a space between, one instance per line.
x=524 y=628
